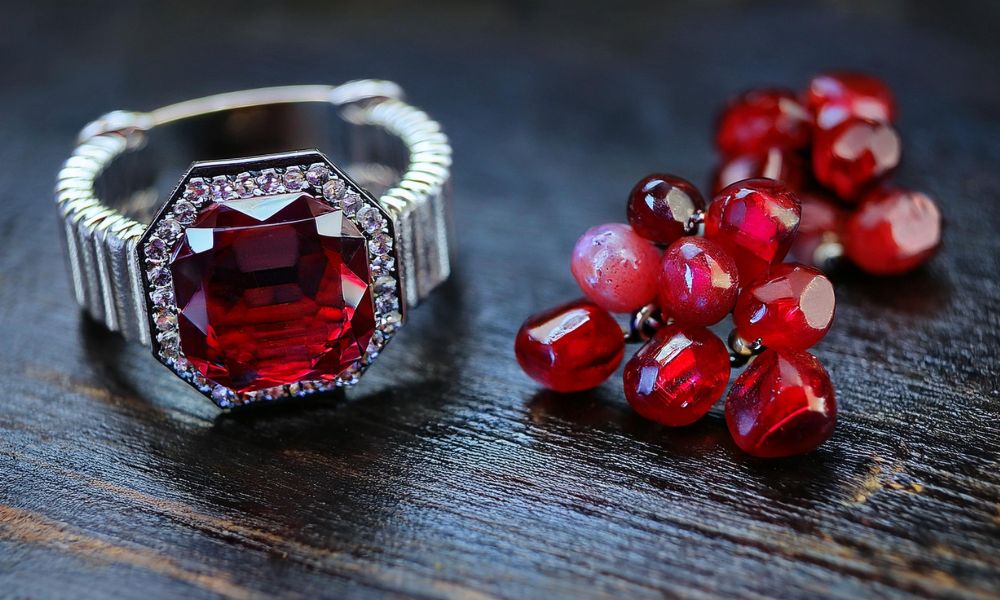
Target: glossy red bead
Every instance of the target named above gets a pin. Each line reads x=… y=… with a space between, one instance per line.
x=893 y=231
x=822 y=222
x=790 y=308
x=782 y=165
x=572 y=347
x=758 y=120
x=660 y=207
x=615 y=267
x=677 y=376
x=854 y=156
x=783 y=404
x=699 y=282
x=755 y=222
x=835 y=97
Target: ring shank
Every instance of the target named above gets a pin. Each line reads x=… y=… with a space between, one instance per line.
x=127 y=163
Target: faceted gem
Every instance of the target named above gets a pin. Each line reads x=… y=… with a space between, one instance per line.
x=783 y=404
x=821 y=223
x=893 y=231
x=660 y=207
x=782 y=165
x=790 y=308
x=699 y=282
x=616 y=268
x=571 y=347
x=755 y=222
x=677 y=376
x=855 y=155
x=272 y=290
x=762 y=119
x=835 y=97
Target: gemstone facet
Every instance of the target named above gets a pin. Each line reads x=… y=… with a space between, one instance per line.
x=783 y=404
x=790 y=308
x=677 y=376
x=660 y=207
x=272 y=290
x=699 y=282
x=569 y=348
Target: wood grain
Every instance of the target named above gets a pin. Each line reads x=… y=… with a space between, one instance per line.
x=446 y=473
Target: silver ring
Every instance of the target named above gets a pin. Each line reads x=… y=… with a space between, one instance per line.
x=274 y=275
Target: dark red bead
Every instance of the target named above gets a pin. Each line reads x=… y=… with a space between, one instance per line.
x=699 y=282
x=660 y=206
x=782 y=165
x=677 y=376
x=790 y=308
x=854 y=156
x=783 y=404
x=755 y=222
x=758 y=120
x=835 y=97
x=822 y=222
x=571 y=347
x=893 y=231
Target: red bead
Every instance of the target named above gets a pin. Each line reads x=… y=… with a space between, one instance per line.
x=835 y=97
x=571 y=347
x=893 y=231
x=660 y=206
x=677 y=376
x=854 y=156
x=616 y=268
x=782 y=165
x=698 y=282
x=755 y=222
x=758 y=120
x=822 y=222
x=783 y=404
x=272 y=291
x=790 y=308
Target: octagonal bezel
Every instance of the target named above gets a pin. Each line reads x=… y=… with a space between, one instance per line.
x=210 y=182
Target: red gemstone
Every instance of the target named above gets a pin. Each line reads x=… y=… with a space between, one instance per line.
x=698 y=282
x=755 y=222
x=272 y=291
x=835 y=97
x=761 y=119
x=782 y=405
x=854 y=156
x=822 y=222
x=782 y=165
x=678 y=375
x=660 y=206
x=790 y=308
x=571 y=347
x=615 y=267
x=893 y=231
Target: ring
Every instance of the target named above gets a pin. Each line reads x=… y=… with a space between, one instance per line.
x=275 y=275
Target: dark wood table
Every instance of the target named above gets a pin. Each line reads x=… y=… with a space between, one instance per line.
x=447 y=473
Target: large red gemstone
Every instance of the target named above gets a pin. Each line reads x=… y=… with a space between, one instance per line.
x=893 y=231
x=790 y=308
x=272 y=291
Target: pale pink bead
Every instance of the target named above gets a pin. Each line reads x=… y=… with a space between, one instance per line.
x=615 y=267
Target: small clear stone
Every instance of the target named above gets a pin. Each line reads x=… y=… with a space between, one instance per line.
x=168 y=230
x=295 y=180
x=163 y=296
x=269 y=181
x=222 y=189
x=196 y=190
x=351 y=203
x=181 y=364
x=294 y=389
x=370 y=219
x=169 y=344
x=156 y=250
x=185 y=212
x=223 y=396
x=334 y=189
x=391 y=322
x=386 y=303
x=381 y=243
x=159 y=276
x=199 y=381
x=164 y=318
x=383 y=265
x=385 y=284
x=317 y=175
x=246 y=186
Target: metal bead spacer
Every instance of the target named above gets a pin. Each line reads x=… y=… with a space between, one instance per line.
x=828 y=253
x=741 y=351
x=644 y=324
x=695 y=223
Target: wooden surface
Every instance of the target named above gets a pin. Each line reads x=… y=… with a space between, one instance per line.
x=447 y=473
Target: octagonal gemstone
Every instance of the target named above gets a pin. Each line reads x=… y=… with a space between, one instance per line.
x=272 y=290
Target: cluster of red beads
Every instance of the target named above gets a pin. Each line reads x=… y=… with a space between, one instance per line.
x=836 y=146
x=783 y=402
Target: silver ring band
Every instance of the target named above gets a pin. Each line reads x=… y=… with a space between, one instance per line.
x=391 y=146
